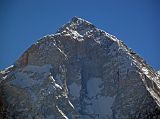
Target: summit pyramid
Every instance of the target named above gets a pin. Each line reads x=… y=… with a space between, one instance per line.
x=80 y=72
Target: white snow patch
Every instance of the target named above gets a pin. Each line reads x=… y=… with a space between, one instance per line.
x=54 y=83
x=9 y=67
x=6 y=70
x=67 y=34
x=58 y=86
x=146 y=72
x=76 y=35
x=71 y=104
x=144 y=69
x=98 y=40
x=61 y=112
x=111 y=36
x=74 y=89
x=61 y=52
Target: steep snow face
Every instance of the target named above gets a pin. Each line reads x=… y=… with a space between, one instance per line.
x=81 y=72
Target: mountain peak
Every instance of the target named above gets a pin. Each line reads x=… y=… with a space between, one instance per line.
x=77 y=24
x=76 y=19
x=81 y=72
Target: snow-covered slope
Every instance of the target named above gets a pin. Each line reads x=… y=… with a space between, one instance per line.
x=80 y=72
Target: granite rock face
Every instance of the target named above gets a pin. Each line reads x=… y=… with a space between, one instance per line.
x=80 y=72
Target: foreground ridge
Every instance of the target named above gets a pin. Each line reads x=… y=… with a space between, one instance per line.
x=80 y=72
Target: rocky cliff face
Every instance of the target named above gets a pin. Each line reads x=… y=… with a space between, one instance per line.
x=80 y=72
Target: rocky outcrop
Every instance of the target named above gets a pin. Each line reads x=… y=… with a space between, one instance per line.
x=80 y=72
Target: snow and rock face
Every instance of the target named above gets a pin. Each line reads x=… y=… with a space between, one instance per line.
x=81 y=72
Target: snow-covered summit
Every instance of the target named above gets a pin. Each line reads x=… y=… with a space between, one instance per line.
x=80 y=72
x=77 y=24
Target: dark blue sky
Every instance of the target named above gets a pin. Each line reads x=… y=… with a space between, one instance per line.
x=136 y=22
